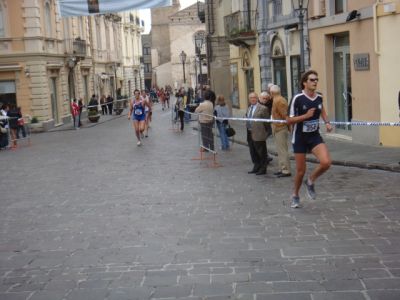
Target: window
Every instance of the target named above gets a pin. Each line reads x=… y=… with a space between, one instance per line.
x=2 y=22
x=146 y=51
x=47 y=19
x=278 y=7
x=147 y=68
x=339 y=6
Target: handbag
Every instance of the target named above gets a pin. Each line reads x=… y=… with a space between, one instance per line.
x=20 y=122
x=230 y=131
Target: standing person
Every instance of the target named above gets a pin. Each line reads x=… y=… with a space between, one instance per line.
x=305 y=111
x=206 y=120
x=110 y=101
x=222 y=111
x=75 y=113
x=20 y=124
x=138 y=115
x=80 y=105
x=93 y=103
x=180 y=106
x=280 y=131
x=257 y=133
x=13 y=124
x=103 y=105
x=167 y=96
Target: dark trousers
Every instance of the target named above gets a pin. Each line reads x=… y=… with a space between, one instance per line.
x=258 y=153
x=181 y=115
x=110 y=108
x=104 y=109
x=207 y=135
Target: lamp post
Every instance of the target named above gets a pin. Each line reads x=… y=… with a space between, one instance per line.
x=199 y=40
x=300 y=7
x=183 y=61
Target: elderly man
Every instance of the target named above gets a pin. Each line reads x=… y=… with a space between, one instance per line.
x=257 y=133
x=280 y=131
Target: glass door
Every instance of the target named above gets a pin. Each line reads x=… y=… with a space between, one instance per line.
x=342 y=83
x=280 y=75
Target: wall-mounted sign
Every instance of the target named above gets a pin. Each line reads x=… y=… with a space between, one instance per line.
x=361 y=61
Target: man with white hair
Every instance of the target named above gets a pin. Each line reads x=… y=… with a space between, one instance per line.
x=280 y=131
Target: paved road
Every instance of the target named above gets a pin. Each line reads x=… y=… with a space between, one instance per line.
x=87 y=214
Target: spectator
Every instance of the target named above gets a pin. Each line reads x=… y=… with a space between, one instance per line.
x=103 y=105
x=75 y=113
x=222 y=111
x=280 y=131
x=20 y=124
x=110 y=101
x=13 y=124
x=93 y=103
x=80 y=105
x=257 y=134
x=206 y=120
x=180 y=106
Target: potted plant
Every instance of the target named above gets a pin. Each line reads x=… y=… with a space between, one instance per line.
x=93 y=115
x=35 y=125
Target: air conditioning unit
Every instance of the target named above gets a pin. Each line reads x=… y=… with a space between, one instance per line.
x=317 y=9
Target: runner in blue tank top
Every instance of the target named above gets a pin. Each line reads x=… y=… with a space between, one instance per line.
x=137 y=112
x=305 y=110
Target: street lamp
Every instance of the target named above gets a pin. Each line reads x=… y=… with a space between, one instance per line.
x=183 y=61
x=199 y=40
x=300 y=7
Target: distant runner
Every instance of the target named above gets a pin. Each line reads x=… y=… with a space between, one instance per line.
x=137 y=112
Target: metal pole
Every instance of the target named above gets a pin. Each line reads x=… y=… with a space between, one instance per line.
x=301 y=18
x=184 y=76
x=201 y=77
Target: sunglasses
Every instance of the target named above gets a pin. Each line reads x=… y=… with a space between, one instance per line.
x=313 y=79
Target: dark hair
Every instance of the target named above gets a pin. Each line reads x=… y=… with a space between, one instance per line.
x=210 y=95
x=304 y=77
x=136 y=90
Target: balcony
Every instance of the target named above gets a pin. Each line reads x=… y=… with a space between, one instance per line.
x=240 y=28
x=76 y=47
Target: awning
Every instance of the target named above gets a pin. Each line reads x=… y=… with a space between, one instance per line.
x=91 y=7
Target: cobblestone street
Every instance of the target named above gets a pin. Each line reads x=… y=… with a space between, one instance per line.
x=87 y=214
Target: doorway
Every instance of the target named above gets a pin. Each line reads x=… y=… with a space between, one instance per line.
x=280 y=75
x=342 y=82
x=53 y=96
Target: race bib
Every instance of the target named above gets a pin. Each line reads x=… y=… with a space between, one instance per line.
x=310 y=126
x=138 y=112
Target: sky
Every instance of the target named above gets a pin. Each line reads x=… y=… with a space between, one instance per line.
x=145 y=14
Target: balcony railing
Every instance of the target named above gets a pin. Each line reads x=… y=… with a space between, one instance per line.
x=240 y=27
x=76 y=47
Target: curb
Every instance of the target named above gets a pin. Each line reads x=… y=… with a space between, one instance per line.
x=343 y=163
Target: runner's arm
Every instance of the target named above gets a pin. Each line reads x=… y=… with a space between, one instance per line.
x=324 y=117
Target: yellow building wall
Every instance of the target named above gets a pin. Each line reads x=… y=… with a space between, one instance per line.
x=236 y=55
x=389 y=66
x=365 y=84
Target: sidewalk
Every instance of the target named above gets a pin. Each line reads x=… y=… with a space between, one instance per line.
x=343 y=153
x=87 y=124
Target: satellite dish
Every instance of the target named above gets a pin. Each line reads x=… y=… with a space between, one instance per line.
x=352 y=15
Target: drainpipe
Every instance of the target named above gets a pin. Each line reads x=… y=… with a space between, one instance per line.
x=376 y=37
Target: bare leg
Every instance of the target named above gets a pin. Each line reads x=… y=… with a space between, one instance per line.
x=136 y=128
x=322 y=154
x=300 y=171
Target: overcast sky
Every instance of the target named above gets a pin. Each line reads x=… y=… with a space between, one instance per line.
x=145 y=14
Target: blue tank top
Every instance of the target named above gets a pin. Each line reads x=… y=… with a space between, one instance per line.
x=138 y=108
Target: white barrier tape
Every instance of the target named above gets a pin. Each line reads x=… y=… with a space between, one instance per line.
x=352 y=123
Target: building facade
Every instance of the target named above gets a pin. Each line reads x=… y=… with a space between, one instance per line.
x=353 y=49
x=46 y=60
x=148 y=73
x=184 y=25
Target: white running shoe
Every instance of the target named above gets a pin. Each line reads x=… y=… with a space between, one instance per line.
x=139 y=143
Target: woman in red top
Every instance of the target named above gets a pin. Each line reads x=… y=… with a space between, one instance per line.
x=75 y=113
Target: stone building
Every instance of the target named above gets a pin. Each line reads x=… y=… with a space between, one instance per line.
x=146 y=50
x=184 y=25
x=46 y=60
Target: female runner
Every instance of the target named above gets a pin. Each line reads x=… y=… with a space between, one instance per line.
x=138 y=115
